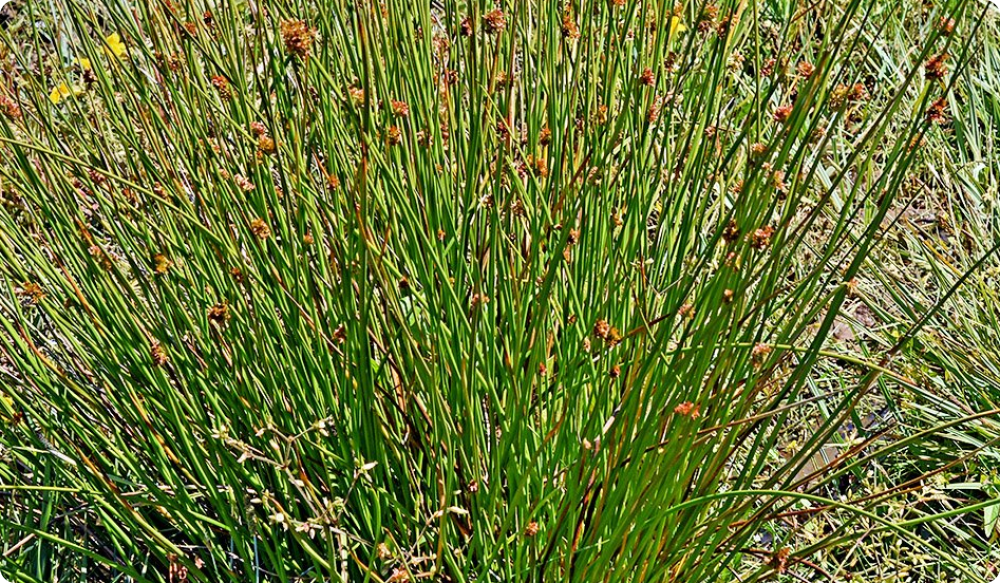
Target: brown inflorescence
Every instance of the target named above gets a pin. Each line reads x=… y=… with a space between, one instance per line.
x=298 y=37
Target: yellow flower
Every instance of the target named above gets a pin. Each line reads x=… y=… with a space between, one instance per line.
x=115 y=47
x=63 y=91
x=8 y=400
x=58 y=93
x=84 y=63
x=676 y=26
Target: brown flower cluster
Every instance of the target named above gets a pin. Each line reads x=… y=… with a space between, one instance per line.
x=298 y=37
x=494 y=22
x=606 y=332
x=688 y=409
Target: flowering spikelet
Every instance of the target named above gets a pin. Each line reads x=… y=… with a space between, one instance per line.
x=466 y=27
x=258 y=129
x=103 y=259
x=244 y=183
x=298 y=37
x=805 y=69
x=31 y=292
x=937 y=112
x=531 y=529
x=265 y=145
x=545 y=137
x=161 y=264
x=219 y=314
x=400 y=108
x=731 y=232
x=782 y=114
x=688 y=409
x=357 y=96
x=222 y=87
x=494 y=22
x=759 y=353
x=9 y=108
x=158 y=355
x=570 y=30
x=761 y=238
x=935 y=67
x=707 y=18
x=647 y=78
x=946 y=26
x=393 y=135
x=260 y=229
x=606 y=332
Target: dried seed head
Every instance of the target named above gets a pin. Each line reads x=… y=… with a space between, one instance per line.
x=778 y=181
x=161 y=264
x=731 y=232
x=258 y=129
x=688 y=409
x=10 y=108
x=494 y=22
x=653 y=113
x=158 y=355
x=759 y=354
x=31 y=292
x=782 y=114
x=243 y=182
x=935 y=67
x=298 y=37
x=761 y=238
x=466 y=27
x=531 y=529
x=615 y=371
x=601 y=116
x=400 y=108
x=103 y=259
x=96 y=177
x=222 y=87
x=647 y=78
x=946 y=26
x=545 y=137
x=805 y=69
x=393 y=135
x=219 y=314
x=332 y=182
x=570 y=30
x=265 y=145
x=938 y=111
x=727 y=296
x=260 y=229
x=768 y=67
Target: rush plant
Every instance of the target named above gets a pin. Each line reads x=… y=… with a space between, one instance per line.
x=358 y=291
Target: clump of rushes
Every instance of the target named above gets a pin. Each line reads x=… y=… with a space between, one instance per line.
x=423 y=238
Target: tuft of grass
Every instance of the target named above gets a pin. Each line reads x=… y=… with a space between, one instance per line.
x=364 y=291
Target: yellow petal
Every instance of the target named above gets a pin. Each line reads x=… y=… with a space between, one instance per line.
x=84 y=63
x=676 y=25
x=62 y=90
x=115 y=47
x=8 y=400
